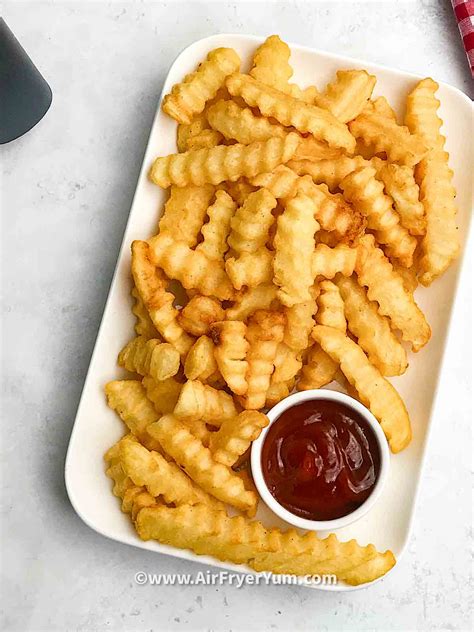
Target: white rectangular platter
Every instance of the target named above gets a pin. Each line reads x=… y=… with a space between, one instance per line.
x=97 y=427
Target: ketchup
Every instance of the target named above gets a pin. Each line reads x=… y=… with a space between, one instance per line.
x=320 y=460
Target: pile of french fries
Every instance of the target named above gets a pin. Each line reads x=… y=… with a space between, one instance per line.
x=299 y=223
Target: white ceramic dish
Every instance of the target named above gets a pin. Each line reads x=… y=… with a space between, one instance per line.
x=97 y=427
x=256 y=461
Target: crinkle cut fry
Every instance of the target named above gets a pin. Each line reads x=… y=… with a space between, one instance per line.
x=200 y=362
x=366 y=193
x=133 y=497
x=250 y=299
x=294 y=246
x=207 y=532
x=264 y=333
x=385 y=136
x=230 y=353
x=185 y=211
x=291 y=112
x=143 y=325
x=328 y=171
x=440 y=245
x=214 y=478
x=199 y=313
x=327 y=262
x=150 y=357
x=373 y=389
x=163 y=395
x=271 y=67
x=250 y=269
x=128 y=399
x=319 y=368
x=190 y=267
x=385 y=287
x=216 y=164
x=214 y=244
x=200 y=401
x=235 y=436
x=251 y=222
x=162 y=478
x=372 y=330
x=190 y=96
x=331 y=211
x=151 y=285
x=348 y=94
x=399 y=183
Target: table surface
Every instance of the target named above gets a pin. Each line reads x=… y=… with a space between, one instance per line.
x=66 y=194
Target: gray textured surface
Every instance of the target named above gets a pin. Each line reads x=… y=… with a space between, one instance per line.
x=66 y=194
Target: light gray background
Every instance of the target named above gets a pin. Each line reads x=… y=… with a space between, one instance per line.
x=66 y=193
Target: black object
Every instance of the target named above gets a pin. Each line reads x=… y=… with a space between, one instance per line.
x=25 y=96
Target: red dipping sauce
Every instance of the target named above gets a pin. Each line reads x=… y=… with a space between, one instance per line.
x=320 y=460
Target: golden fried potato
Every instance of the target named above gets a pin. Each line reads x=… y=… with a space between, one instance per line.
x=271 y=66
x=382 y=107
x=318 y=368
x=187 y=131
x=209 y=532
x=190 y=96
x=291 y=112
x=278 y=391
x=133 y=496
x=215 y=231
x=206 y=139
x=239 y=190
x=247 y=301
x=399 y=183
x=287 y=364
x=185 y=211
x=331 y=211
x=241 y=124
x=330 y=171
x=327 y=262
x=200 y=362
x=235 y=436
x=151 y=285
x=384 y=135
x=214 y=165
x=190 y=267
x=161 y=477
x=294 y=246
x=440 y=245
x=250 y=269
x=230 y=350
x=348 y=94
x=264 y=333
x=251 y=223
x=200 y=401
x=198 y=315
x=371 y=329
x=373 y=389
x=150 y=357
x=366 y=193
x=128 y=399
x=164 y=395
x=144 y=325
x=299 y=324
x=197 y=461
x=385 y=287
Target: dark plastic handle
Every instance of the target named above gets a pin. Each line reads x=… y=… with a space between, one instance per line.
x=25 y=96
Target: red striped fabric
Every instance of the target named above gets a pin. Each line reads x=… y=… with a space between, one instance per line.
x=464 y=12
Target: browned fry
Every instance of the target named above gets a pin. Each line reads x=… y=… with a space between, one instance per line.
x=264 y=333
x=198 y=315
x=191 y=267
x=151 y=285
x=235 y=436
x=230 y=353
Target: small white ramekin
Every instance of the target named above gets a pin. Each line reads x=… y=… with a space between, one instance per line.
x=256 y=461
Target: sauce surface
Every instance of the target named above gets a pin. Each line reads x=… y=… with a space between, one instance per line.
x=320 y=460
